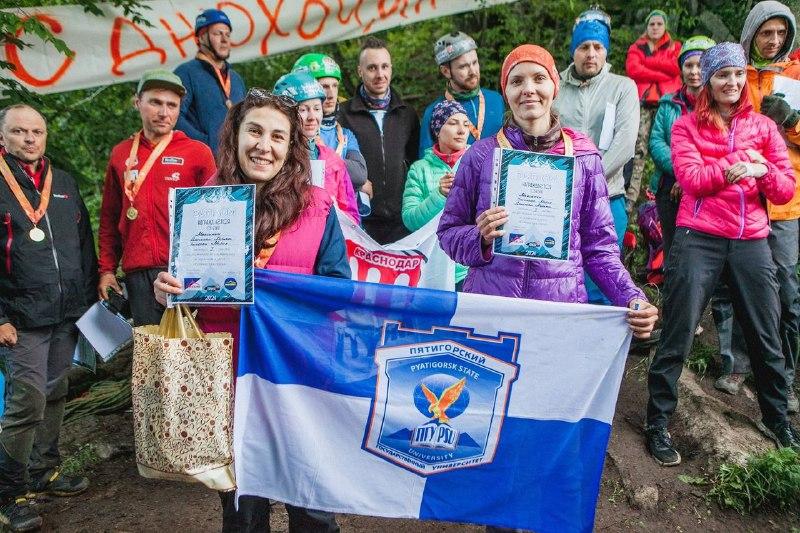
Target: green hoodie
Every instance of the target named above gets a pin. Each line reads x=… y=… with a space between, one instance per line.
x=422 y=200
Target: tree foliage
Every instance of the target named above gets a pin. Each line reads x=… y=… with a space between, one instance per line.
x=85 y=124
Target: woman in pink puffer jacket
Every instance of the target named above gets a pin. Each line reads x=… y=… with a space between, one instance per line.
x=727 y=159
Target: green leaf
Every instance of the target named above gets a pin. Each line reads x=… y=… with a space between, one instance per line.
x=693 y=480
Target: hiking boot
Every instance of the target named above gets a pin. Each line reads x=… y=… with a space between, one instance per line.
x=792 y=403
x=661 y=447
x=55 y=483
x=730 y=383
x=19 y=515
x=784 y=435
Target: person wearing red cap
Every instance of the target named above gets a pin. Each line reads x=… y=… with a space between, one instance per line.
x=212 y=86
x=529 y=82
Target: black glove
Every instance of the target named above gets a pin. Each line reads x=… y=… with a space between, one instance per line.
x=779 y=110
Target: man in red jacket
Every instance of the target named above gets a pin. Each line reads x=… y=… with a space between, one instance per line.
x=134 y=221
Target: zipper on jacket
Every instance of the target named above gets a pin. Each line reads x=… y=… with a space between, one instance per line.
x=741 y=210
x=697 y=204
x=55 y=254
x=731 y=148
x=9 y=241
x=731 y=133
x=52 y=246
x=525 y=278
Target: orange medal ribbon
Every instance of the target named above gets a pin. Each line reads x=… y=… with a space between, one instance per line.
x=134 y=183
x=224 y=81
x=339 y=139
x=35 y=215
x=476 y=131
x=265 y=253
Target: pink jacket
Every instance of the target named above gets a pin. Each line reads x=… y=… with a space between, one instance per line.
x=700 y=156
x=295 y=252
x=337 y=182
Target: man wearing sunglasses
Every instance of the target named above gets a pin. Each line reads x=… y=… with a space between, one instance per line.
x=212 y=86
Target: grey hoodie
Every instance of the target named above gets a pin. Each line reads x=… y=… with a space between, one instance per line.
x=762 y=12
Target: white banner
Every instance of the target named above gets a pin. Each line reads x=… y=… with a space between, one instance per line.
x=414 y=261
x=113 y=49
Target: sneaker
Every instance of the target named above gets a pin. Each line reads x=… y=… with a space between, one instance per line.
x=661 y=447
x=792 y=403
x=55 y=483
x=730 y=383
x=19 y=515
x=784 y=435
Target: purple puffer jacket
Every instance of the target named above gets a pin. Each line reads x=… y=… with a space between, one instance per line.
x=593 y=242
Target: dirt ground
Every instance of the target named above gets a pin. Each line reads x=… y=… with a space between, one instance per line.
x=120 y=500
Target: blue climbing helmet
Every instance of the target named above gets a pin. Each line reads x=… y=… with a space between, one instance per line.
x=299 y=86
x=210 y=17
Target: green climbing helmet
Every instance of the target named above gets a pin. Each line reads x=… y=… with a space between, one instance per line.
x=318 y=65
x=697 y=43
x=299 y=86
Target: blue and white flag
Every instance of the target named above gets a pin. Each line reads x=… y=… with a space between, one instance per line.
x=397 y=402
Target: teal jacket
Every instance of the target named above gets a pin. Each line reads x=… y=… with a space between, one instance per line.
x=670 y=108
x=422 y=200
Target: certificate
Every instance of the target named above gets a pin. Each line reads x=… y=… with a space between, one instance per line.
x=211 y=244
x=536 y=191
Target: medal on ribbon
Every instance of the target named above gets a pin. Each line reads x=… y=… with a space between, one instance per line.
x=135 y=178
x=34 y=215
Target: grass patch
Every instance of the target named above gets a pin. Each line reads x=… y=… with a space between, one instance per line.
x=701 y=357
x=80 y=462
x=771 y=479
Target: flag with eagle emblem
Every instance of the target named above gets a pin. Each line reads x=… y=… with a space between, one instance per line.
x=392 y=401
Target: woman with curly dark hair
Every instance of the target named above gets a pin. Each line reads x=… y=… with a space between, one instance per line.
x=296 y=230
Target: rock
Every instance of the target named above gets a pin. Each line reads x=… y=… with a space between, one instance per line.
x=645 y=498
x=106 y=450
x=720 y=431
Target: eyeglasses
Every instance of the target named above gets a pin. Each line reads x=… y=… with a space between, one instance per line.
x=257 y=93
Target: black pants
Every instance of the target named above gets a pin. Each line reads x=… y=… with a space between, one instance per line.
x=385 y=231
x=145 y=310
x=667 y=213
x=36 y=391
x=253 y=516
x=697 y=263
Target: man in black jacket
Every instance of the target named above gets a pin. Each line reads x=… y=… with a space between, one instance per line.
x=387 y=130
x=48 y=277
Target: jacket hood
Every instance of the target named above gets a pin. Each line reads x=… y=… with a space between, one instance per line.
x=667 y=99
x=762 y=12
x=581 y=143
x=666 y=39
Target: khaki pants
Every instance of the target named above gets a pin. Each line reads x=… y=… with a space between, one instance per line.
x=642 y=152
